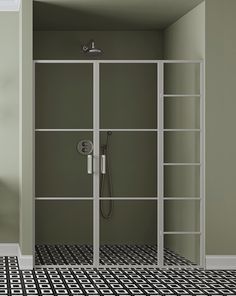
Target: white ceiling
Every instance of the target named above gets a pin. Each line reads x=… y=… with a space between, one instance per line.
x=9 y=5
x=109 y=14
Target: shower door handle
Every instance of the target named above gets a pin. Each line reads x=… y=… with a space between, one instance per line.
x=90 y=164
x=103 y=164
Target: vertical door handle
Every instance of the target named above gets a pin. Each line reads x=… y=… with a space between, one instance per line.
x=90 y=164
x=103 y=164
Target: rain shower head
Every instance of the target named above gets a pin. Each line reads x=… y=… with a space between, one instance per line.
x=91 y=48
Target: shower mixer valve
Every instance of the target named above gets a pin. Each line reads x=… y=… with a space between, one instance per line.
x=85 y=147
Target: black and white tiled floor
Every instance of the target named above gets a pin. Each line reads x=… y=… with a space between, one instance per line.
x=109 y=255
x=108 y=282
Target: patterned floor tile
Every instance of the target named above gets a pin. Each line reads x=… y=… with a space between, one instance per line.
x=109 y=255
x=113 y=281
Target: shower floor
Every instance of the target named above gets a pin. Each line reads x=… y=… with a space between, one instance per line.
x=109 y=255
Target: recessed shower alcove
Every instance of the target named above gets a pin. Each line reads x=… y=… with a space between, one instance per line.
x=119 y=147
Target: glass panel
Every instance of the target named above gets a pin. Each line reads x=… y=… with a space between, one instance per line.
x=60 y=170
x=182 y=181
x=181 y=78
x=182 y=113
x=64 y=96
x=182 y=215
x=129 y=236
x=64 y=232
x=181 y=249
x=128 y=96
x=182 y=147
x=131 y=164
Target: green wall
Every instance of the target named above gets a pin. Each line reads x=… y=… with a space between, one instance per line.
x=220 y=127
x=188 y=42
x=9 y=131
x=115 y=44
x=185 y=39
x=26 y=129
x=128 y=100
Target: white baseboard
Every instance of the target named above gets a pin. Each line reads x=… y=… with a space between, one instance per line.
x=9 y=249
x=25 y=262
x=221 y=262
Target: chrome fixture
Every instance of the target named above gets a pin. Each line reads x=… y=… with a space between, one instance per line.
x=90 y=48
x=85 y=147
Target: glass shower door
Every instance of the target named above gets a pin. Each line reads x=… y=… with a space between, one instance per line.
x=63 y=163
x=183 y=162
x=119 y=163
x=128 y=150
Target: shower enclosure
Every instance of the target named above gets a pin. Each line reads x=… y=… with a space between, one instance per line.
x=119 y=163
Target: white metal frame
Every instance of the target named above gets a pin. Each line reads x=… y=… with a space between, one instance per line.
x=160 y=151
x=160 y=198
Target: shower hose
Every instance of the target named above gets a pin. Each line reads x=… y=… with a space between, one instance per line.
x=105 y=150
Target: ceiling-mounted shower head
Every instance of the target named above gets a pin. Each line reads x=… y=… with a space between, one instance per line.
x=91 y=48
